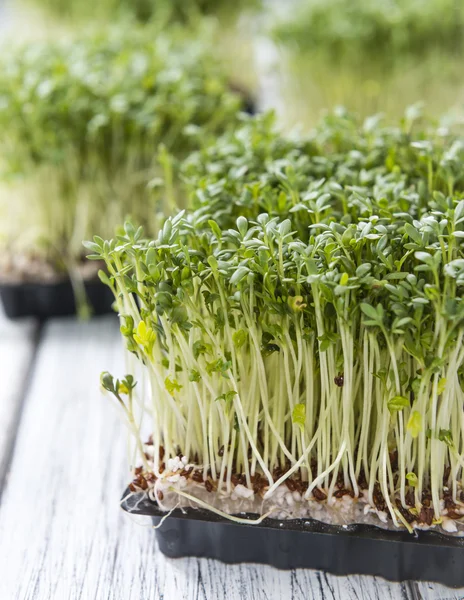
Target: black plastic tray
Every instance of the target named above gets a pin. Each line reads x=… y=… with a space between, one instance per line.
x=45 y=300
x=306 y=543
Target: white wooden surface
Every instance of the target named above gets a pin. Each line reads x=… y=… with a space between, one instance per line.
x=17 y=344
x=62 y=533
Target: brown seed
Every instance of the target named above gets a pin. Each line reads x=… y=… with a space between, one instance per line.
x=339 y=380
x=408 y=517
x=426 y=498
x=449 y=502
x=410 y=500
x=277 y=473
x=132 y=487
x=197 y=476
x=461 y=496
x=162 y=467
x=378 y=498
x=160 y=495
x=208 y=486
x=298 y=484
x=290 y=484
x=161 y=452
x=319 y=495
x=150 y=441
x=304 y=486
x=258 y=486
x=138 y=470
x=142 y=482
x=453 y=514
x=426 y=515
x=150 y=477
x=343 y=492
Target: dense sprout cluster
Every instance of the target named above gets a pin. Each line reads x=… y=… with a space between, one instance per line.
x=305 y=322
x=87 y=117
x=341 y=171
x=383 y=28
x=142 y=10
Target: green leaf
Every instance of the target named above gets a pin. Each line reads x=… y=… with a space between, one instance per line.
x=172 y=386
x=239 y=274
x=215 y=229
x=424 y=257
x=397 y=403
x=104 y=278
x=413 y=233
x=369 y=311
x=239 y=338
x=363 y=270
x=299 y=416
x=414 y=426
x=296 y=303
x=213 y=263
x=242 y=225
x=228 y=398
x=194 y=376
x=412 y=479
x=445 y=435
x=107 y=381
x=344 y=279
x=459 y=211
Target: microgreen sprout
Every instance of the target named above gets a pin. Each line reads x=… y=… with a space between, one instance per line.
x=320 y=348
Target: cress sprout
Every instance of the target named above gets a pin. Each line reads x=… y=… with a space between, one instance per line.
x=316 y=350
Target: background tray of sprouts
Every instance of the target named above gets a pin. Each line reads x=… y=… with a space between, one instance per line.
x=297 y=336
x=87 y=125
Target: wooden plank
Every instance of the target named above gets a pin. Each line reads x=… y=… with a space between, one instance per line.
x=17 y=344
x=435 y=591
x=62 y=533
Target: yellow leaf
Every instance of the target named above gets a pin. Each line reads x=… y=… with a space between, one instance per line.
x=415 y=423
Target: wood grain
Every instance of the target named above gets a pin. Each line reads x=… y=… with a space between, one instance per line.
x=435 y=591
x=62 y=533
x=17 y=344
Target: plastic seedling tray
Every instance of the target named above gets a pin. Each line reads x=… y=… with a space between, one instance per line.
x=45 y=300
x=307 y=543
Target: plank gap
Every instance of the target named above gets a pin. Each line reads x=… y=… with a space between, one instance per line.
x=18 y=402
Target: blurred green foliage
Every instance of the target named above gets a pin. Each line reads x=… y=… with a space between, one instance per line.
x=381 y=28
x=82 y=123
x=143 y=10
